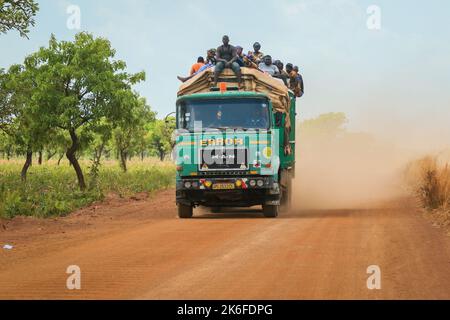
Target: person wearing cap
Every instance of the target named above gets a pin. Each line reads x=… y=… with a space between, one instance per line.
x=211 y=57
x=257 y=55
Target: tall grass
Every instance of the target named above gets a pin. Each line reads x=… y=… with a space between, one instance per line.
x=52 y=190
x=430 y=177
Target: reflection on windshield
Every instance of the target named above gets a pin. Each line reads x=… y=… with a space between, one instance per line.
x=224 y=114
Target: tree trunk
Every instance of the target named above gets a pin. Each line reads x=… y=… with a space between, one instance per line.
x=162 y=155
x=142 y=156
x=123 y=160
x=27 y=164
x=50 y=155
x=60 y=158
x=71 y=156
x=40 y=158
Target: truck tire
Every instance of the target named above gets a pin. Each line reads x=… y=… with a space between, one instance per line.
x=185 y=212
x=270 y=211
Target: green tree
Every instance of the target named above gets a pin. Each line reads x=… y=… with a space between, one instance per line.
x=6 y=145
x=6 y=108
x=130 y=131
x=17 y=15
x=101 y=136
x=16 y=115
x=161 y=141
x=57 y=145
x=324 y=126
x=79 y=84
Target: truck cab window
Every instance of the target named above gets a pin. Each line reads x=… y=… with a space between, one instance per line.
x=221 y=114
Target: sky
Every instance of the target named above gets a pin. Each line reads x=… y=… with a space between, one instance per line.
x=395 y=76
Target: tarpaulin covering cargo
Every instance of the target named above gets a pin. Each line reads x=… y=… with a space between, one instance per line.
x=254 y=80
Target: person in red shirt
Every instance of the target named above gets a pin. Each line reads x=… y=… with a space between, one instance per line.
x=200 y=63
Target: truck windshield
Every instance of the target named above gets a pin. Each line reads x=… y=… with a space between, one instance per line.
x=219 y=114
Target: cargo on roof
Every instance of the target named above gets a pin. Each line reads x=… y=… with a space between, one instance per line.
x=253 y=81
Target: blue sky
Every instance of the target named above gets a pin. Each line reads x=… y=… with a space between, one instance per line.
x=398 y=76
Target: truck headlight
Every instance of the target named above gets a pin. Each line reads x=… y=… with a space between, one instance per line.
x=208 y=184
x=260 y=183
x=252 y=183
x=187 y=185
x=267 y=152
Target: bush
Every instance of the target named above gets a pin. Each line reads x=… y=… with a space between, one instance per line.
x=52 y=190
x=430 y=177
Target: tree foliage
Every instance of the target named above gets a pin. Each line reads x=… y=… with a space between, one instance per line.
x=17 y=15
x=78 y=84
x=16 y=115
x=74 y=99
x=161 y=137
x=130 y=131
x=327 y=125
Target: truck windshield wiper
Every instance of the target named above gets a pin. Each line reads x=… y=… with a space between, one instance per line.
x=229 y=128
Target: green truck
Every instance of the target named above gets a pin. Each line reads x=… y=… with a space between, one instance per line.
x=235 y=147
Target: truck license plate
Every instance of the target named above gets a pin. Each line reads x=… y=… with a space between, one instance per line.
x=223 y=186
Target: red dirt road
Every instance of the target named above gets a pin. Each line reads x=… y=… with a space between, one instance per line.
x=140 y=250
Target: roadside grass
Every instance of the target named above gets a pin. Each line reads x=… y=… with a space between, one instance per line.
x=52 y=190
x=430 y=179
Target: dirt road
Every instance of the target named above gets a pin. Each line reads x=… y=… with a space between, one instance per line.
x=139 y=249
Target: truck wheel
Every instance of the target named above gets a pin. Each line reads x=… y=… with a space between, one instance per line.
x=185 y=212
x=270 y=211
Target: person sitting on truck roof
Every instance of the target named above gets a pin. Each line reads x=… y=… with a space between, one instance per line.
x=240 y=56
x=202 y=68
x=211 y=57
x=294 y=84
x=196 y=66
x=257 y=54
x=300 y=81
x=268 y=67
x=226 y=57
x=244 y=60
x=283 y=75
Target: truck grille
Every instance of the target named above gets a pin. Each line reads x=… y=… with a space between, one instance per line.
x=220 y=159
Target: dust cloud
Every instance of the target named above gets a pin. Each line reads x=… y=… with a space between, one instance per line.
x=344 y=170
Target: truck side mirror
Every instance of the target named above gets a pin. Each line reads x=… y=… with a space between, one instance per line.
x=278 y=119
x=166 y=119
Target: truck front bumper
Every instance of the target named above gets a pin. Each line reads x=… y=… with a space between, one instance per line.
x=228 y=192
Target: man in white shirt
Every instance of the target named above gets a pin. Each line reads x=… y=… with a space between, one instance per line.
x=268 y=67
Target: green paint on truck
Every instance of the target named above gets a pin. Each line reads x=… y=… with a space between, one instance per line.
x=234 y=150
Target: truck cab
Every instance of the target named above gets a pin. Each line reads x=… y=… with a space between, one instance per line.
x=233 y=150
